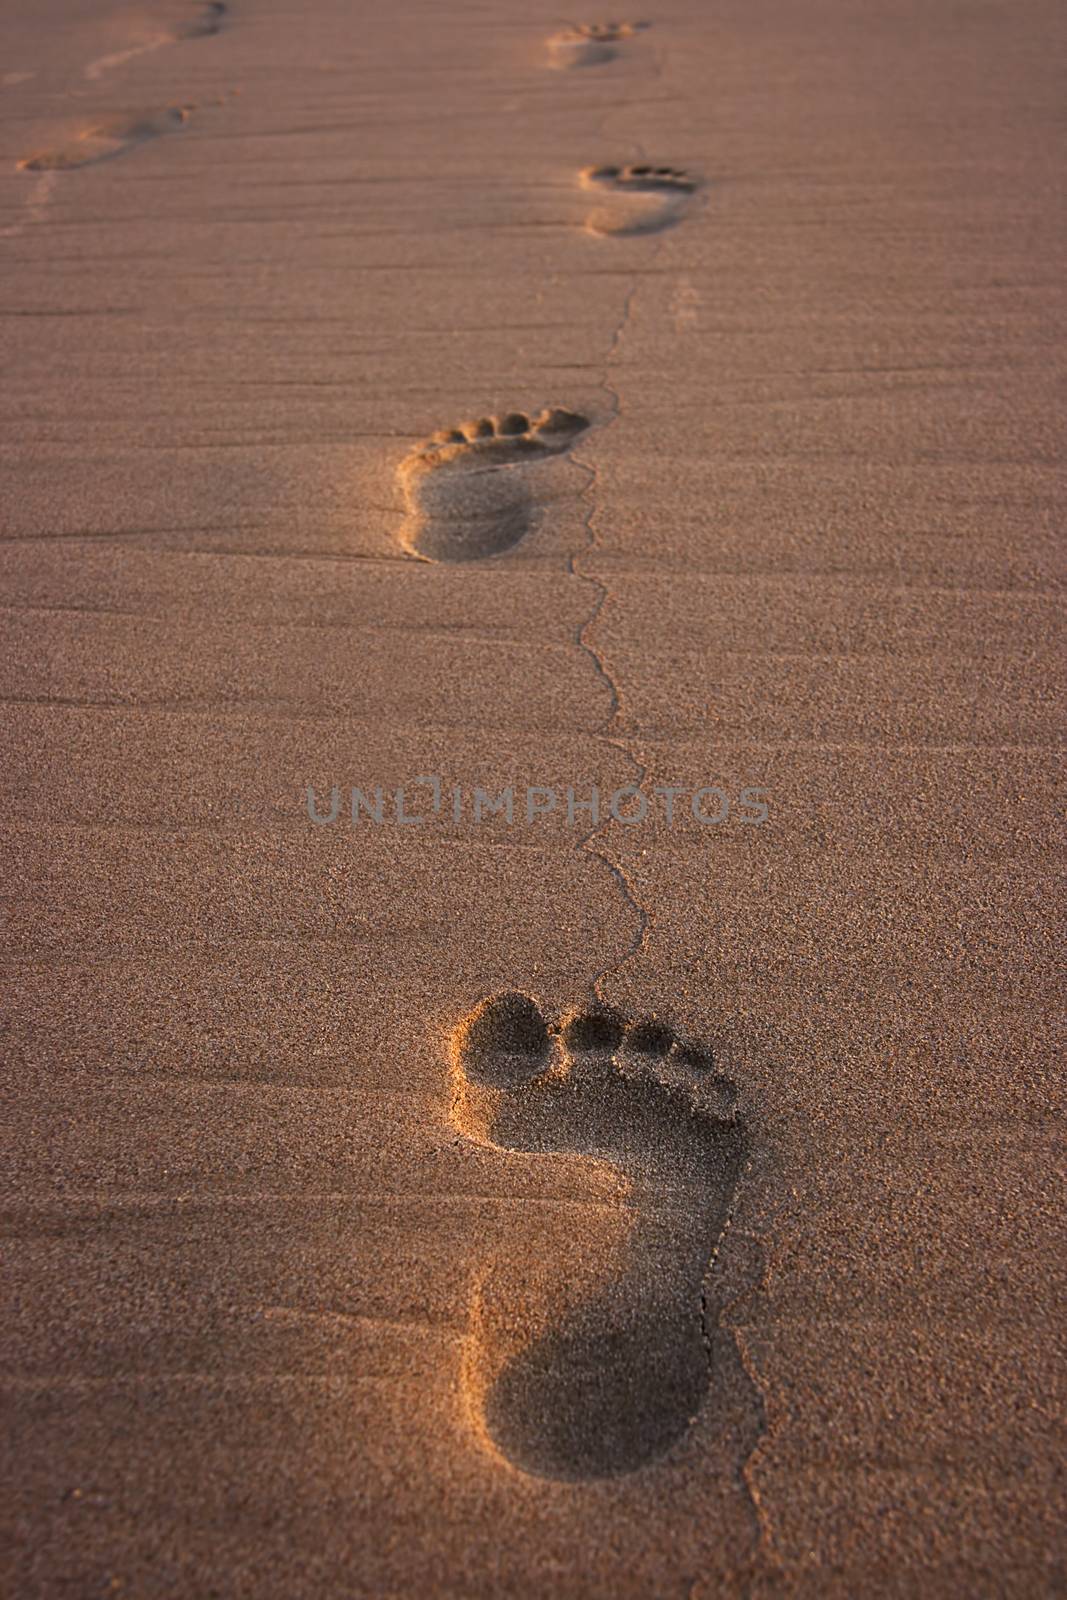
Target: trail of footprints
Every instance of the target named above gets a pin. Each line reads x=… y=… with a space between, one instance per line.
x=115 y=136
x=467 y=491
x=601 y=1382
x=566 y=1389
x=571 y=1378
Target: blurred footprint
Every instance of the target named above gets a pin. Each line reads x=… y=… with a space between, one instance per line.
x=641 y=199
x=107 y=139
x=590 y=43
x=207 y=20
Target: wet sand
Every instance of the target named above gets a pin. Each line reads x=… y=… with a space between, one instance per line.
x=305 y=1277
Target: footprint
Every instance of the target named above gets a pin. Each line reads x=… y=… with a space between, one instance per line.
x=466 y=500
x=643 y=199
x=593 y=1384
x=108 y=139
x=207 y=21
x=590 y=43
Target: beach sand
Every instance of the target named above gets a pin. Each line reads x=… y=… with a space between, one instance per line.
x=299 y=1280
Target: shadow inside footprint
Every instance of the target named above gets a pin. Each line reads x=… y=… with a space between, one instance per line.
x=108 y=139
x=619 y=1377
x=465 y=499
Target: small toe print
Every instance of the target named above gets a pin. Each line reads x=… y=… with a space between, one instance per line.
x=593 y=1030
x=610 y=32
x=657 y=177
x=725 y=1088
x=650 y=1038
x=698 y=1059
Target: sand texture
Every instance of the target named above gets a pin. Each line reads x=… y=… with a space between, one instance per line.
x=495 y=1209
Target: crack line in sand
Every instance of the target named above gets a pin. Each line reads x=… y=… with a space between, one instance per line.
x=601 y=595
x=709 y=1323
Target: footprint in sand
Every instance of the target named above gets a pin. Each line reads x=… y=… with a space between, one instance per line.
x=107 y=139
x=588 y=1385
x=640 y=199
x=590 y=43
x=204 y=24
x=209 y=22
x=467 y=493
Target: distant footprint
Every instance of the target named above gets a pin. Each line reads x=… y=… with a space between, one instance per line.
x=108 y=139
x=611 y=1379
x=207 y=21
x=641 y=199
x=590 y=43
x=466 y=499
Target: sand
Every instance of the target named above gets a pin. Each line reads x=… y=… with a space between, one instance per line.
x=300 y=1281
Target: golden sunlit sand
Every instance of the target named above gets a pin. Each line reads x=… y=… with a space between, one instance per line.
x=614 y=1154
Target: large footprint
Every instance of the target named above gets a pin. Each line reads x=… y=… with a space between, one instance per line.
x=467 y=496
x=589 y=43
x=638 y=199
x=108 y=139
x=612 y=1380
